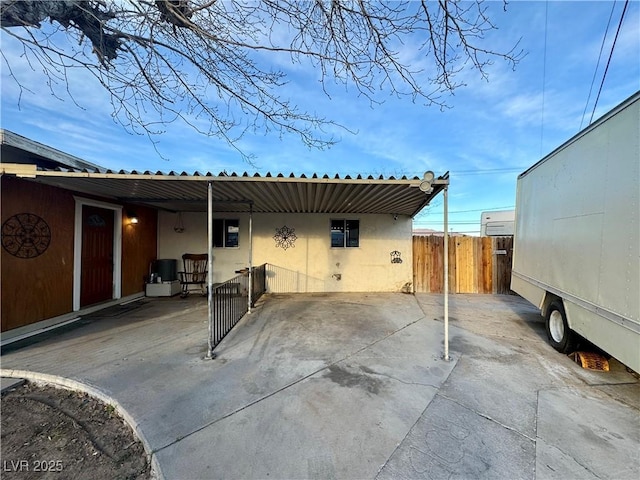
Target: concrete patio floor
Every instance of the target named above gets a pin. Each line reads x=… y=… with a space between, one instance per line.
x=350 y=386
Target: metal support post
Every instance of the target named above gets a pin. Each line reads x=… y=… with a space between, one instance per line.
x=426 y=185
x=446 y=273
x=210 y=354
x=250 y=299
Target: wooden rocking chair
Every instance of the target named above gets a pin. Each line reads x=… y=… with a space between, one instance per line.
x=195 y=273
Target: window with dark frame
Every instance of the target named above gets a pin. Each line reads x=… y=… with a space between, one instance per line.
x=345 y=233
x=226 y=232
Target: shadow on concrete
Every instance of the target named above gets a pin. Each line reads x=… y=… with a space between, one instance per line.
x=113 y=316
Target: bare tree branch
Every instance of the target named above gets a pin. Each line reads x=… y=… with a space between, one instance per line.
x=203 y=62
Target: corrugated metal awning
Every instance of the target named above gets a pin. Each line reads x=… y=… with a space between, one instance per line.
x=235 y=192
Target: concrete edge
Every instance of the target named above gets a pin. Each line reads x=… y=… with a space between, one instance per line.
x=69 y=384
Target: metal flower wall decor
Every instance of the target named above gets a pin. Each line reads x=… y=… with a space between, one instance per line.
x=285 y=237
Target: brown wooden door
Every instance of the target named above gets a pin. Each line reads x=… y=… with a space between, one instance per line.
x=96 y=282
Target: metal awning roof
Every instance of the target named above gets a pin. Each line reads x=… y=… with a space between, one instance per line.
x=236 y=192
x=183 y=192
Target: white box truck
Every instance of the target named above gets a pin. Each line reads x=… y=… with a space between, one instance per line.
x=577 y=237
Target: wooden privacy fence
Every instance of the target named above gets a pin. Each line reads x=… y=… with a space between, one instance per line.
x=476 y=264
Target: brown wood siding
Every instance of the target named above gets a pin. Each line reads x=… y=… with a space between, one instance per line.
x=39 y=288
x=476 y=264
x=42 y=287
x=139 y=248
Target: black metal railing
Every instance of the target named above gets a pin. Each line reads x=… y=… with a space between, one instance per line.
x=230 y=301
x=258 y=283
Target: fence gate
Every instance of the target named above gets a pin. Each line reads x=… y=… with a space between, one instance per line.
x=476 y=264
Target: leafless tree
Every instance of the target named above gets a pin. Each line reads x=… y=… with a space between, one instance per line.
x=207 y=62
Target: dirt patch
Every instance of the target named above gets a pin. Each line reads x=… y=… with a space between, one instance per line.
x=51 y=433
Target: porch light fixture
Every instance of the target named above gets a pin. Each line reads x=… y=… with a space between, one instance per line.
x=426 y=185
x=133 y=218
x=179 y=226
x=427 y=181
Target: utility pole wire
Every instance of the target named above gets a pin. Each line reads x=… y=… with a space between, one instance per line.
x=593 y=80
x=613 y=46
x=544 y=71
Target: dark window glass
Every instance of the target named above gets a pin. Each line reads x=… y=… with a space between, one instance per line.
x=233 y=232
x=226 y=232
x=96 y=220
x=218 y=233
x=345 y=233
x=337 y=233
x=353 y=233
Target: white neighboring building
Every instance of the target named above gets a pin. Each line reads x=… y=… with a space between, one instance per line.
x=497 y=224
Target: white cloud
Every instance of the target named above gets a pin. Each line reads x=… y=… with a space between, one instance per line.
x=492 y=125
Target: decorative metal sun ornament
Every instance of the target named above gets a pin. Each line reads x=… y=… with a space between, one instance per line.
x=395 y=257
x=25 y=235
x=285 y=237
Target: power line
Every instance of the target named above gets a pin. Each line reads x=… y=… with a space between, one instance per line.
x=487 y=171
x=439 y=222
x=604 y=38
x=484 y=209
x=477 y=171
x=613 y=46
x=544 y=71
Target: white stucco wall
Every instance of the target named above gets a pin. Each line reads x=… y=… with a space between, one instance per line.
x=311 y=265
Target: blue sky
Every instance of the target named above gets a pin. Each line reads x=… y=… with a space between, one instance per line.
x=494 y=129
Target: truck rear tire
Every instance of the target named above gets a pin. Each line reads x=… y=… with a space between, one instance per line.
x=561 y=337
